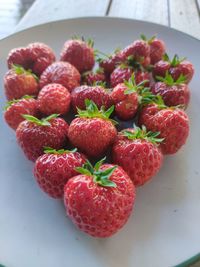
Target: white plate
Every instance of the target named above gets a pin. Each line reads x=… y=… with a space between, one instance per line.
x=164 y=227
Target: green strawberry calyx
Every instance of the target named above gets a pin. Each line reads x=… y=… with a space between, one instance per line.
x=168 y=79
x=150 y=40
x=9 y=103
x=50 y=150
x=132 y=86
x=89 y=41
x=176 y=60
x=142 y=133
x=92 y=111
x=42 y=122
x=101 y=177
x=19 y=70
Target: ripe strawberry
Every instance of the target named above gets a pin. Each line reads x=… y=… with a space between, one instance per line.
x=175 y=67
x=171 y=122
x=157 y=48
x=173 y=93
x=120 y=74
x=54 y=98
x=54 y=168
x=79 y=53
x=141 y=76
x=136 y=151
x=63 y=73
x=16 y=108
x=94 y=78
x=92 y=125
x=99 y=200
x=36 y=56
x=109 y=62
x=19 y=82
x=139 y=50
x=34 y=134
x=97 y=94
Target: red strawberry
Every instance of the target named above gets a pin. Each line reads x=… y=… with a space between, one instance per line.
x=120 y=74
x=92 y=132
x=19 y=82
x=99 y=200
x=136 y=151
x=141 y=76
x=139 y=50
x=109 y=63
x=97 y=94
x=173 y=93
x=63 y=73
x=15 y=109
x=34 y=134
x=172 y=123
x=54 y=98
x=54 y=168
x=79 y=53
x=157 y=48
x=94 y=78
x=176 y=67
x=36 y=56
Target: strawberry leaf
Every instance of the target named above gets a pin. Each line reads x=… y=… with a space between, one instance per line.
x=168 y=79
x=42 y=122
x=19 y=70
x=49 y=150
x=9 y=103
x=99 y=163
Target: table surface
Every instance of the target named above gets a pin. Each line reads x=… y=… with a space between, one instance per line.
x=183 y=15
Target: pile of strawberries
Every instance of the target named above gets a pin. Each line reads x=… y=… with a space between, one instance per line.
x=65 y=114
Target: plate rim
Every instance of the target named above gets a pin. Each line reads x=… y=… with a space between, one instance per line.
x=193 y=259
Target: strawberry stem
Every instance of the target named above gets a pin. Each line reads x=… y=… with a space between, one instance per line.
x=101 y=177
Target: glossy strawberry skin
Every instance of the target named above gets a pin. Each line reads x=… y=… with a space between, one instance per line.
x=52 y=171
x=141 y=76
x=173 y=125
x=109 y=64
x=13 y=115
x=18 y=85
x=185 y=68
x=79 y=54
x=63 y=73
x=120 y=74
x=125 y=105
x=96 y=210
x=91 y=78
x=157 y=50
x=173 y=95
x=93 y=136
x=36 y=56
x=139 y=158
x=54 y=98
x=32 y=138
x=95 y=93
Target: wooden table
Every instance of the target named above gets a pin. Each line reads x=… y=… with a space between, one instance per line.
x=183 y=15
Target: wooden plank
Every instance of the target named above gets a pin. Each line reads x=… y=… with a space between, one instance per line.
x=151 y=10
x=44 y=11
x=184 y=16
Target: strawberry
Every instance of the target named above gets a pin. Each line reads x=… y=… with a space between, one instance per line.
x=93 y=78
x=157 y=48
x=99 y=200
x=120 y=74
x=93 y=125
x=97 y=94
x=54 y=168
x=174 y=93
x=175 y=67
x=63 y=73
x=109 y=62
x=136 y=151
x=34 y=134
x=141 y=76
x=126 y=97
x=36 y=56
x=79 y=53
x=54 y=98
x=172 y=123
x=19 y=82
x=15 y=108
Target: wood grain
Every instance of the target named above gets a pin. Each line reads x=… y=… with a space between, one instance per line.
x=151 y=10
x=184 y=16
x=44 y=11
